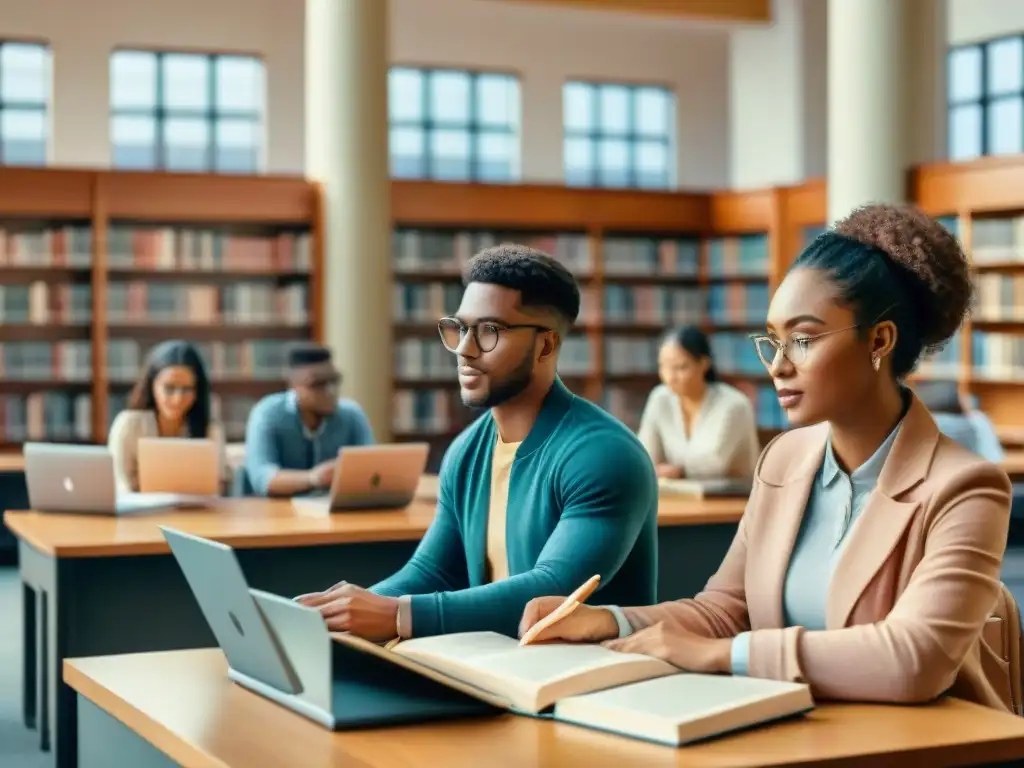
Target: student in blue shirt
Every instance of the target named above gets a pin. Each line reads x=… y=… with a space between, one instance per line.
x=292 y=438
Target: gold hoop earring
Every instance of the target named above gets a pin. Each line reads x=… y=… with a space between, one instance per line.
x=876 y=362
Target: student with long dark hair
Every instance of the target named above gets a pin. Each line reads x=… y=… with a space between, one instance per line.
x=170 y=399
x=694 y=425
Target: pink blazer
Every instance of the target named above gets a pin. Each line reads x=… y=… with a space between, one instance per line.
x=910 y=595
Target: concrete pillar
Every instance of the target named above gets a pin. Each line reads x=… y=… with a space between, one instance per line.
x=867 y=78
x=347 y=150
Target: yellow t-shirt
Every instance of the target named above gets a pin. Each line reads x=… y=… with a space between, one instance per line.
x=501 y=471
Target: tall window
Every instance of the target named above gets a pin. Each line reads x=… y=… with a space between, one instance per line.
x=453 y=125
x=618 y=135
x=986 y=98
x=186 y=111
x=24 y=103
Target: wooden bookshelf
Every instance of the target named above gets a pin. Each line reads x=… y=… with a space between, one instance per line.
x=646 y=262
x=97 y=266
x=983 y=203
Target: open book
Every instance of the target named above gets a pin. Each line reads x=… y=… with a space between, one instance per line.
x=589 y=685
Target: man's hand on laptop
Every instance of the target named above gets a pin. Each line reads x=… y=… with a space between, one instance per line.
x=348 y=608
x=322 y=475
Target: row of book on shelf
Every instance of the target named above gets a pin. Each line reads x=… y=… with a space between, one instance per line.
x=156 y=248
x=448 y=251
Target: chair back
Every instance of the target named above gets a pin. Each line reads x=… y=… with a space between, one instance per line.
x=1002 y=634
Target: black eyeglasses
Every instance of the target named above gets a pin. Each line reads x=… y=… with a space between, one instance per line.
x=453 y=332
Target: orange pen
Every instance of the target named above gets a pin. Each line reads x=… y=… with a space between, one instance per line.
x=572 y=602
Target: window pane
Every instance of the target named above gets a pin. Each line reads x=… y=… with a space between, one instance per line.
x=23 y=132
x=25 y=71
x=405 y=94
x=613 y=163
x=186 y=81
x=579 y=108
x=965 y=74
x=965 y=132
x=134 y=141
x=449 y=97
x=238 y=144
x=1005 y=66
x=497 y=101
x=615 y=103
x=240 y=84
x=653 y=116
x=186 y=144
x=1005 y=127
x=449 y=154
x=579 y=161
x=408 y=156
x=133 y=79
x=496 y=156
x=652 y=164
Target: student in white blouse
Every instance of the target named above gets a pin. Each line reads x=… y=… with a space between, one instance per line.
x=171 y=399
x=694 y=425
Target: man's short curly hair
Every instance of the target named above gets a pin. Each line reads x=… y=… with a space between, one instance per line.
x=893 y=262
x=542 y=282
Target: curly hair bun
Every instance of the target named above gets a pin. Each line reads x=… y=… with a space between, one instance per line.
x=928 y=253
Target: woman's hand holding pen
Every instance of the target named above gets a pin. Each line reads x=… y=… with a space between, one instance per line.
x=586 y=624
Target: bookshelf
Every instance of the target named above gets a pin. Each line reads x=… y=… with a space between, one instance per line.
x=982 y=202
x=100 y=266
x=646 y=261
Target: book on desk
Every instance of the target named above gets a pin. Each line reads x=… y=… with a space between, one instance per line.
x=725 y=487
x=356 y=683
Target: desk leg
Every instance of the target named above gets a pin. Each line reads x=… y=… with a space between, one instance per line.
x=104 y=741
x=29 y=644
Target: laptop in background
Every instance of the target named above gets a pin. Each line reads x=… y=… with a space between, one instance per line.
x=80 y=478
x=185 y=466
x=371 y=477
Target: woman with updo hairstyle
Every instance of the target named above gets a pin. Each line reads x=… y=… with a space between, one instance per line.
x=867 y=561
x=694 y=425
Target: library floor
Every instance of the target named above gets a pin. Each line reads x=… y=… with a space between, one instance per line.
x=19 y=746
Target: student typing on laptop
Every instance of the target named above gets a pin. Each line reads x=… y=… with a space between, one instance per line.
x=171 y=399
x=540 y=493
x=292 y=438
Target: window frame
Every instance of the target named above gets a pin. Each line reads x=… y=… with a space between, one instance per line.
x=43 y=107
x=211 y=115
x=985 y=98
x=474 y=128
x=631 y=137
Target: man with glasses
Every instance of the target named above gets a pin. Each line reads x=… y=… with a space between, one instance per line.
x=540 y=493
x=292 y=438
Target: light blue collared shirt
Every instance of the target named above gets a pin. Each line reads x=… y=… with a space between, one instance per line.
x=836 y=502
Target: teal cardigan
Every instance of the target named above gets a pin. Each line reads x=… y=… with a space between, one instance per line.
x=583 y=500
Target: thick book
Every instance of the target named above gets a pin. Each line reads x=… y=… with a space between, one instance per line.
x=589 y=685
x=706 y=489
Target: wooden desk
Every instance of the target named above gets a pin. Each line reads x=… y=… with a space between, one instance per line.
x=102 y=585
x=12 y=462
x=181 y=705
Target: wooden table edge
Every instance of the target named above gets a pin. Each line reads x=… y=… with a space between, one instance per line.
x=145 y=727
x=237 y=541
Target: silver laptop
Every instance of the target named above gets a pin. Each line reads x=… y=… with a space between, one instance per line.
x=371 y=477
x=219 y=586
x=80 y=478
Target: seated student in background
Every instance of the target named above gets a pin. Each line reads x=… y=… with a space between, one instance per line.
x=292 y=438
x=694 y=425
x=867 y=561
x=971 y=428
x=170 y=399
x=540 y=493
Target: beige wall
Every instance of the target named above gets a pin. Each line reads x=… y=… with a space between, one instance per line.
x=751 y=103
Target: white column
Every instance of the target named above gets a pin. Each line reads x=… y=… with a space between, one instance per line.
x=867 y=77
x=347 y=150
